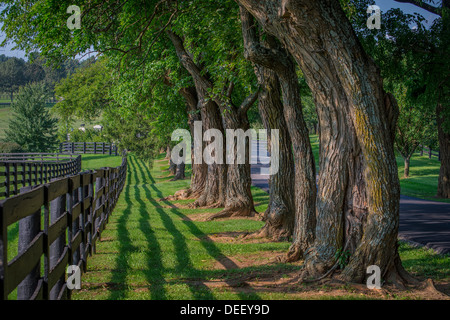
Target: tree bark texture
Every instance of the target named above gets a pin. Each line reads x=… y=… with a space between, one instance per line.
x=226 y=185
x=239 y=199
x=213 y=193
x=358 y=186
x=199 y=171
x=270 y=55
x=444 y=149
x=280 y=215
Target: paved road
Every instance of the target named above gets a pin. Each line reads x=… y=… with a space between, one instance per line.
x=421 y=221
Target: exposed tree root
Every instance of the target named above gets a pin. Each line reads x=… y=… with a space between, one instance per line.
x=233 y=212
x=203 y=205
x=295 y=253
x=399 y=277
x=185 y=194
x=177 y=178
x=269 y=232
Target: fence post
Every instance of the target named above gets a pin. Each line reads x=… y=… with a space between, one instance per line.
x=15 y=178
x=98 y=203
x=95 y=147
x=103 y=148
x=84 y=147
x=57 y=207
x=89 y=192
x=73 y=147
x=7 y=179
x=75 y=226
x=29 y=227
x=82 y=222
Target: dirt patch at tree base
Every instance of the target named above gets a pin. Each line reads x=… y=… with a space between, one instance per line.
x=287 y=283
x=284 y=278
x=203 y=216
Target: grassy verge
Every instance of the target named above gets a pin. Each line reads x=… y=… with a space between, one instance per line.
x=162 y=250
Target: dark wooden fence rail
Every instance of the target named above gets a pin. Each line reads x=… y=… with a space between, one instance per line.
x=88 y=147
x=430 y=152
x=61 y=221
x=30 y=169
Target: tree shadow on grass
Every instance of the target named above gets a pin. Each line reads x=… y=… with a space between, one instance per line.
x=154 y=276
x=184 y=263
x=119 y=274
x=154 y=273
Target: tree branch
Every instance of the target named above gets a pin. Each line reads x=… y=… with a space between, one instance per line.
x=230 y=89
x=248 y=102
x=254 y=51
x=187 y=61
x=423 y=5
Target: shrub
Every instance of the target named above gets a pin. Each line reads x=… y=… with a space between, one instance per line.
x=10 y=147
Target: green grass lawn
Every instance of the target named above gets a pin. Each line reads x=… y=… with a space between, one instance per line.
x=95 y=161
x=154 y=249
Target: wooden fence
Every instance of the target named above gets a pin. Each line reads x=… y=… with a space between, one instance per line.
x=88 y=147
x=30 y=169
x=75 y=208
x=430 y=153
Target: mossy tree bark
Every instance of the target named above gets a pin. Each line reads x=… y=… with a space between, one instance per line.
x=358 y=182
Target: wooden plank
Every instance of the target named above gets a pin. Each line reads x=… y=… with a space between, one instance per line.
x=99 y=173
x=59 y=270
x=99 y=211
x=87 y=179
x=99 y=193
x=23 y=205
x=76 y=181
x=76 y=210
x=39 y=293
x=57 y=228
x=87 y=203
x=22 y=264
x=57 y=188
x=64 y=293
x=76 y=241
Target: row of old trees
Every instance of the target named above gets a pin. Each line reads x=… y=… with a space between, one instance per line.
x=218 y=58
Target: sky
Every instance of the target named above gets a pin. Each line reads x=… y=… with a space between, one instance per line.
x=384 y=5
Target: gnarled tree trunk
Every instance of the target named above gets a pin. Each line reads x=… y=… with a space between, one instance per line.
x=444 y=149
x=239 y=199
x=199 y=171
x=270 y=55
x=280 y=214
x=356 y=124
x=222 y=188
x=213 y=193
